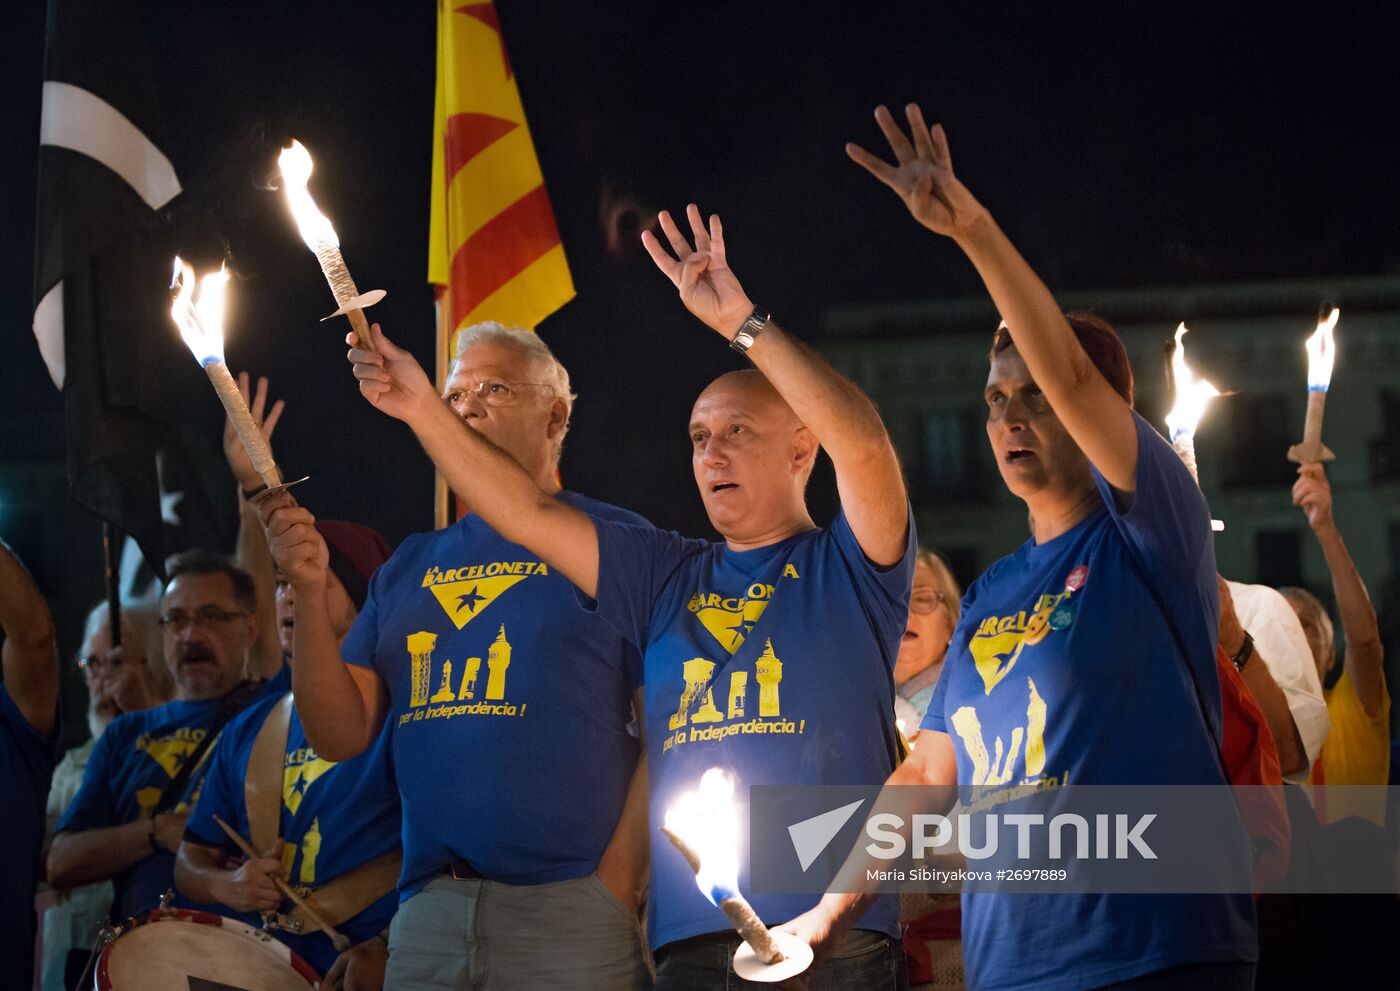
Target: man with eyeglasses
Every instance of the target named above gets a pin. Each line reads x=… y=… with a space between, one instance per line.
x=770 y=653
x=146 y=769
x=338 y=824
x=524 y=801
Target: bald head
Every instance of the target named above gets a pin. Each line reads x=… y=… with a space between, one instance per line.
x=751 y=456
x=749 y=390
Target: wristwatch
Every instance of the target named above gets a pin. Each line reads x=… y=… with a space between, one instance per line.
x=1241 y=657
x=750 y=330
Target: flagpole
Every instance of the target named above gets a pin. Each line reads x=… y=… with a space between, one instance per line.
x=112 y=572
x=441 y=497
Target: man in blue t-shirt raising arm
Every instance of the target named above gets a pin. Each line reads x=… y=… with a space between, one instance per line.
x=1079 y=654
x=524 y=799
x=769 y=654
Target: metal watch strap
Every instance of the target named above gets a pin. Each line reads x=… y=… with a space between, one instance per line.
x=748 y=333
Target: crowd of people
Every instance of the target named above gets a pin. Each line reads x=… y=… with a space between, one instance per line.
x=325 y=740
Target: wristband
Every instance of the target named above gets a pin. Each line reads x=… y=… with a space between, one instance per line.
x=253 y=493
x=151 y=836
x=1241 y=657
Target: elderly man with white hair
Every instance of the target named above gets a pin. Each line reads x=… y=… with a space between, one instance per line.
x=524 y=797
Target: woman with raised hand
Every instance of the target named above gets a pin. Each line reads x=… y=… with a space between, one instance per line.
x=1088 y=655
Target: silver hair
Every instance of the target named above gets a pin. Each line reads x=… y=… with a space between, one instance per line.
x=140 y=618
x=549 y=370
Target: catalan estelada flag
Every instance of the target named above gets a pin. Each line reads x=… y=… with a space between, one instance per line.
x=493 y=244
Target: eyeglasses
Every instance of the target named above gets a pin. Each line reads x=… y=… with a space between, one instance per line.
x=179 y=622
x=493 y=392
x=925 y=601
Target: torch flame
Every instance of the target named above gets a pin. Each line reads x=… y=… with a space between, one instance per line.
x=1322 y=352
x=201 y=321
x=296 y=165
x=708 y=822
x=1192 y=394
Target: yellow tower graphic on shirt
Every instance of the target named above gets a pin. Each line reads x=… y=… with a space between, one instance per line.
x=310 y=847
x=999 y=766
x=444 y=692
x=469 y=676
x=696 y=672
x=498 y=659
x=420 y=651
x=768 y=672
x=737 y=682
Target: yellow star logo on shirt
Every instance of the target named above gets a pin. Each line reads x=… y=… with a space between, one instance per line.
x=299 y=777
x=464 y=601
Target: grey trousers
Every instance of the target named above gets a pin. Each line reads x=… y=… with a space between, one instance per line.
x=484 y=936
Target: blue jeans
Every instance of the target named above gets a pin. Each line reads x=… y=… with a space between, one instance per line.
x=865 y=959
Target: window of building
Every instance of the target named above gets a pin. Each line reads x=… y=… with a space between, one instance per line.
x=1278 y=557
x=1259 y=434
x=947 y=463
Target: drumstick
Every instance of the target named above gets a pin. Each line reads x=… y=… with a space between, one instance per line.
x=338 y=940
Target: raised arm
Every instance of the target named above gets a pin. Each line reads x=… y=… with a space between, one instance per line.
x=492 y=482
x=832 y=407
x=1292 y=755
x=1098 y=419
x=1364 y=652
x=251 y=554
x=29 y=657
x=342 y=706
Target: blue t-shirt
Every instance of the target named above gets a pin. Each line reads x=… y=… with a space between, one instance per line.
x=509 y=705
x=335 y=817
x=776 y=664
x=131 y=764
x=27 y=760
x=1063 y=667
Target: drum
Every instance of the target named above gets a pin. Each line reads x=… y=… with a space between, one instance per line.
x=175 y=949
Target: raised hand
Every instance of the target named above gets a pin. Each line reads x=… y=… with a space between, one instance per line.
x=1313 y=493
x=238 y=461
x=707 y=286
x=391 y=378
x=922 y=173
x=296 y=545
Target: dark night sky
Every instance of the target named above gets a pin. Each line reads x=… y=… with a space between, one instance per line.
x=1119 y=145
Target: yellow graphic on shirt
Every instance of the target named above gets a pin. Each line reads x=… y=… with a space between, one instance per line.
x=444 y=692
x=729 y=620
x=464 y=601
x=420 y=653
x=310 y=848
x=170 y=752
x=469 y=676
x=698 y=719
x=999 y=767
x=697 y=679
x=498 y=659
x=302 y=768
x=999 y=640
x=457 y=694
x=737 y=682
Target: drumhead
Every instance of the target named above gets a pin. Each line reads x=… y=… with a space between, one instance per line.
x=176 y=950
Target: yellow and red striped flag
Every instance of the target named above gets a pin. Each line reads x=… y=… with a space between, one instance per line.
x=494 y=247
